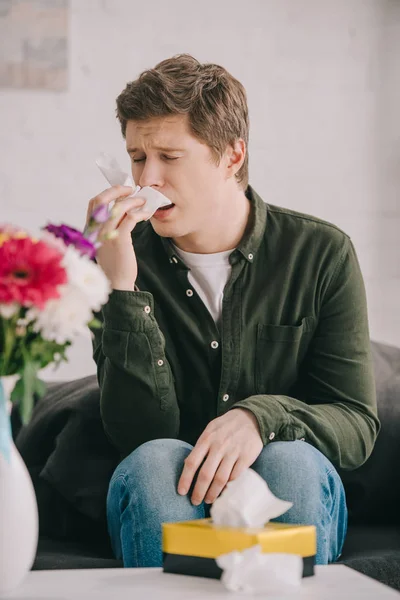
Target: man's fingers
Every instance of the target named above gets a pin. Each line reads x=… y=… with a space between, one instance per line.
x=105 y=197
x=238 y=469
x=221 y=478
x=129 y=221
x=120 y=210
x=205 y=476
x=192 y=463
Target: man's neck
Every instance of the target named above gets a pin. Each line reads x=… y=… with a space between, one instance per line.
x=223 y=233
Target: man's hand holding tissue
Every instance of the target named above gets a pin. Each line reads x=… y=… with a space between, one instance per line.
x=228 y=445
x=116 y=255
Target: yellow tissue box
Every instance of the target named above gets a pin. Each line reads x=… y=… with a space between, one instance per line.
x=191 y=547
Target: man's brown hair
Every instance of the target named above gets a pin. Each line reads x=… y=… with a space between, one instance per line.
x=214 y=101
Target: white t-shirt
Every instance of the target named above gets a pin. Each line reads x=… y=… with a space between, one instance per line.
x=208 y=275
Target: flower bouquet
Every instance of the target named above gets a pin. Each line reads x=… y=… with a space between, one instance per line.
x=49 y=289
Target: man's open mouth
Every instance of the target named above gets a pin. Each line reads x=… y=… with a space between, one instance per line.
x=164 y=211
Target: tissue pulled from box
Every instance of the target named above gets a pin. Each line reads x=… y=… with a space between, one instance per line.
x=247 y=502
x=115 y=176
x=252 y=571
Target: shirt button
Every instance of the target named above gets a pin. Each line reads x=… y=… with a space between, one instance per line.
x=250 y=256
x=189 y=293
x=214 y=345
x=147 y=310
x=160 y=362
x=174 y=260
x=225 y=397
x=271 y=436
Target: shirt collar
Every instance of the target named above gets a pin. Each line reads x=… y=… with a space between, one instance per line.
x=251 y=240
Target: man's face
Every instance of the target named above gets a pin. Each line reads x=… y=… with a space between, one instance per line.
x=165 y=155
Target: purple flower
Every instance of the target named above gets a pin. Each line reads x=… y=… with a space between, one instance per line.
x=74 y=237
x=101 y=214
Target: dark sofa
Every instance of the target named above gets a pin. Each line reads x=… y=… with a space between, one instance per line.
x=70 y=462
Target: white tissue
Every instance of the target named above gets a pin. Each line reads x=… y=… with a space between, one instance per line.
x=115 y=176
x=252 y=571
x=247 y=502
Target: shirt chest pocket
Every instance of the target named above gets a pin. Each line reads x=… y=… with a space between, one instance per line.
x=280 y=350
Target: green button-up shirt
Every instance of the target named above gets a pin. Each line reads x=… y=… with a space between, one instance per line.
x=292 y=345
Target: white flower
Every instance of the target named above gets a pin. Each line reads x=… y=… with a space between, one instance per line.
x=51 y=240
x=7 y=311
x=87 y=289
x=31 y=315
x=64 y=318
x=87 y=277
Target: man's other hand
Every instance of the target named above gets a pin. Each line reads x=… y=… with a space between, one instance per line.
x=229 y=445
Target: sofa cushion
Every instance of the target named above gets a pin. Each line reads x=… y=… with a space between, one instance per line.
x=54 y=554
x=373 y=490
x=367 y=541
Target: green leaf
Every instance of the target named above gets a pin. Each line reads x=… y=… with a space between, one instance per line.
x=25 y=390
x=95 y=324
x=44 y=352
x=17 y=392
x=40 y=387
x=29 y=379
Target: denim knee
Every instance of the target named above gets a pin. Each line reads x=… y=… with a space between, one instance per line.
x=153 y=464
x=299 y=473
x=142 y=495
x=292 y=462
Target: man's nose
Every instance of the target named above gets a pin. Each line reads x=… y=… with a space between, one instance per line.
x=151 y=174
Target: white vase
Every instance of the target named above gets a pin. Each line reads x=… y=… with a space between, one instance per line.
x=19 y=523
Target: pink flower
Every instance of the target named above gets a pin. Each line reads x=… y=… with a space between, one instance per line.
x=30 y=272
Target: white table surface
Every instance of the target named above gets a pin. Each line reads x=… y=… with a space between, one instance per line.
x=330 y=582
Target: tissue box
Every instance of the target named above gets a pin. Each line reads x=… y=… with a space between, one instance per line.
x=191 y=547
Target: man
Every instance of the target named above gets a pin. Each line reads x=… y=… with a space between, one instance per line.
x=236 y=334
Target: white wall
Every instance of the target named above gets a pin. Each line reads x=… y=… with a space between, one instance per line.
x=323 y=82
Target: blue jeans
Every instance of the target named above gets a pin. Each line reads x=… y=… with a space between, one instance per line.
x=143 y=494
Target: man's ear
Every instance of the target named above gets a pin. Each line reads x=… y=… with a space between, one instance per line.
x=235 y=155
